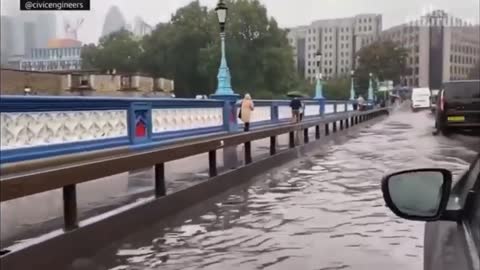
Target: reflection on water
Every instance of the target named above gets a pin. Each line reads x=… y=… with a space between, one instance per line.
x=325 y=213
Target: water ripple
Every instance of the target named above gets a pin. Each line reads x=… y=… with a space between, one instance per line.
x=326 y=214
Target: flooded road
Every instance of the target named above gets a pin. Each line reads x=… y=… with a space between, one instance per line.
x=324 y=212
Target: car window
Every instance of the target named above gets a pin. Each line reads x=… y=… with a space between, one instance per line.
x=462 y=90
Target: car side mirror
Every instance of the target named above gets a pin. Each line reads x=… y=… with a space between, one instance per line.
x=420 y=194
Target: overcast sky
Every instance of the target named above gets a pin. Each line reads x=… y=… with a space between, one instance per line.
x=288 y=13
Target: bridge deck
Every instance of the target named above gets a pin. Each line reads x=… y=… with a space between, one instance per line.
x=324 y=211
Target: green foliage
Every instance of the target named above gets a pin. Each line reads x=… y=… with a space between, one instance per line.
x=187 y=49
x=337 y=88
x=385 y=59
x=116 y=51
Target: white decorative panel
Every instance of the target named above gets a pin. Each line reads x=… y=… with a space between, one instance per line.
x=184 y=118
x=341 y=107
x=350 y=107
x=312 y=110
x=329 y=108
x=27 y=129
x=261 y=113
x=284 y=112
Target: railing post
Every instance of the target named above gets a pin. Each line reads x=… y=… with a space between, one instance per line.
x=212 y=163
x=327 y=129
x=334 y=129
x=305 y=136
x=274 y=113
x=160 y=187
x=341 y=124
x=140 y=122
x=70 y=207
x=317 y=132
x=321 y=102
x=273 y=145
x=335 y=107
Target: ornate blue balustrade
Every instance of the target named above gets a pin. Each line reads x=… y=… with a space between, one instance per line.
x=37 y=126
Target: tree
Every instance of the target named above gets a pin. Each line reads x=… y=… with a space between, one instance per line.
x=337 y=88
x=187 y=49
x=475 y=72
x=385 y=59
x=119 y=51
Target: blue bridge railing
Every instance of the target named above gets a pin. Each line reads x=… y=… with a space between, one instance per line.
x=35 y=127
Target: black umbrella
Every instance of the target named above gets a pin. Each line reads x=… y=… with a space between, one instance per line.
x=294 y=94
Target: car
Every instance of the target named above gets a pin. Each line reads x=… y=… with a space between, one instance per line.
x=458 y=106
x=451 y=213
x=420 y=99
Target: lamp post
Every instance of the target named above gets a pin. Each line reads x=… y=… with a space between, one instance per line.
x=370 y=88
x=352 y=85
x=318 y=87
x=224 y=87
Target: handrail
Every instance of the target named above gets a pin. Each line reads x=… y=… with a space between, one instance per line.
x=19 y=185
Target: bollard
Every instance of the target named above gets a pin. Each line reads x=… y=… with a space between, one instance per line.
x=160 y=188
x=273 y=145
x=291 y=139
x=212 y=163
x=70 y=207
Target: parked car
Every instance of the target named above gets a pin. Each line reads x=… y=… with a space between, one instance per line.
x=452 y=231
x=458 y=106
x=420 y=99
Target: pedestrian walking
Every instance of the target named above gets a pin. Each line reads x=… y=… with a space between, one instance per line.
x=246 y=110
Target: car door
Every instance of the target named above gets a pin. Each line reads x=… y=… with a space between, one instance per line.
x=455 y=245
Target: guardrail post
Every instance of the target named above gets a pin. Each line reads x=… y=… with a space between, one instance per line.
x=327 y=129
x=70 y=207
x=334 y=128
x=305 y=136
x=317 y=132
x=341 y=124
x=140 y=122
x=160 y=187
x=212 y=163
x=248 y=152
x=273 y=145
x=291 y=139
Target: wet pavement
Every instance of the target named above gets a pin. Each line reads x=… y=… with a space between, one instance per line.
x=323 y=212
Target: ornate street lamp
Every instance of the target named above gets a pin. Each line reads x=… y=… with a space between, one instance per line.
x=352 y=85
x=318 y=87
x=370 y=88
x=224 y=87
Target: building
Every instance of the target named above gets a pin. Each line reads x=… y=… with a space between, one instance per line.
x=141 y=28
x=440 y=48
x=61 y=55
x=114 y=21
x=7 y=39
x=337 y=39
x=46 y=28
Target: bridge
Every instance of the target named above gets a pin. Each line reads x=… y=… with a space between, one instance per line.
x=74 y=144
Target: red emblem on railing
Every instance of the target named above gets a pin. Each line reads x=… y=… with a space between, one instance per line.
x=140 y=130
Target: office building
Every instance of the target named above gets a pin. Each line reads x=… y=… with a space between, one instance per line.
x=141 y=28
x=337 y=39
x=62 y=55
x=114 y=21
x=440 y=48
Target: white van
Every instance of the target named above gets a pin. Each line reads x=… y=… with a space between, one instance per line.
x=421 y=98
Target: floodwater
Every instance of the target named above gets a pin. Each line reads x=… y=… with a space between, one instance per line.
x=323 y=212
